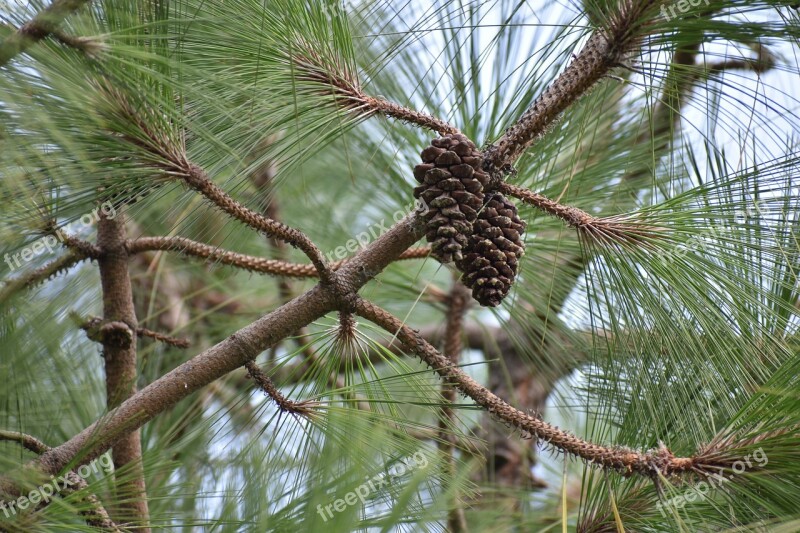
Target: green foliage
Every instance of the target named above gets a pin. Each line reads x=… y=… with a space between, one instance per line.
x=687 y=339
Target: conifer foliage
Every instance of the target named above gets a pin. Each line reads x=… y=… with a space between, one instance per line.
x=599 y=279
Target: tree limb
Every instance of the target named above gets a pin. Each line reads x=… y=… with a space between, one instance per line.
x=97 y=516
x=28 y=442
x=41 y=274
x=246 y=262
x=120 y=364
x=603 y=51
x=651 y=463
x=42 y=25
x=457 y=306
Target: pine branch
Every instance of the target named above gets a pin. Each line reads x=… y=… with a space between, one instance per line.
x=82 y=247
x=120 y=334
x=272 y=267
x=166 y=339
x=764 y=61
x=457 y=304
x=603 y=51
x=28 y=442
x=121 y=363
x=42 y=25
x=171 y=158
x=653 y=463
x=285 y=405
x=611 y=230
x=86 y=45
x=228 y=355
x=262 y=177
x=97 y=516
x=41 y=274
x=196 y=178
x=347 y=90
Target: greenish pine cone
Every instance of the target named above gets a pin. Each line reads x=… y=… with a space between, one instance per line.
x=452 y=181
x=492 y=252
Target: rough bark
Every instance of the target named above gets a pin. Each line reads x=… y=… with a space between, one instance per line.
x=119 y=355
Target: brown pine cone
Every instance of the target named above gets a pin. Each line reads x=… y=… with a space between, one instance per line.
x=452 y=181
x=491 y=255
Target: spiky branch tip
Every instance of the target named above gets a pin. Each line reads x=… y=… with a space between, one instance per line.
x=285 y=405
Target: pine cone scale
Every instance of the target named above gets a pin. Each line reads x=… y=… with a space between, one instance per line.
x=451 y=185
x=490 y=259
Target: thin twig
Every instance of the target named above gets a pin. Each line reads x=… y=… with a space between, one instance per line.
x=611 y=230
x=41 y=274
x=251 y=263
x=120 y=334
x=350 y=96
x=286 y=405
x=764 y=61
x=86 y=45
x=166 y=339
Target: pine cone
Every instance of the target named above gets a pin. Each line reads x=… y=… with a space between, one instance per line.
x=492 y=251
x=452 y=181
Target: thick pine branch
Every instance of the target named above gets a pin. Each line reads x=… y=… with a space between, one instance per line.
x=121 y=364
x=603 y=51
x=96 y=516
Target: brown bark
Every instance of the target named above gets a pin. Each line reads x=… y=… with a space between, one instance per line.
x=96 y=515
x=453 y=346
x=120 y=367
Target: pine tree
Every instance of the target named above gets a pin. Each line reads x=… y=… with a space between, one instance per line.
x=464 y=266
